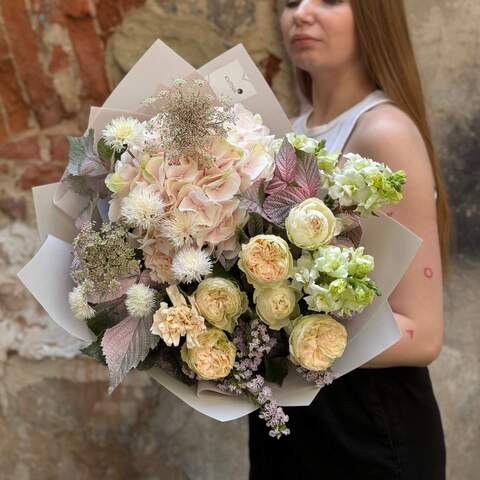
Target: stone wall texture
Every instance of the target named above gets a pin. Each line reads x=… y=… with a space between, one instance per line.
x=59 y=57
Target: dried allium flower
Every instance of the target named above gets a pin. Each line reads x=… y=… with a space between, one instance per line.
x=190 y=264
x=140 y=300
x=102 y=257
x=78 y=304
x=180 y=228
x=143 y=207
x=191 y=118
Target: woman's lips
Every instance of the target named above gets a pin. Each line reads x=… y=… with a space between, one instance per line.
x=302 y=40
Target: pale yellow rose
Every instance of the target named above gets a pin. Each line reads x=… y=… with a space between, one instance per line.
x=266 y=260
x=316 y=341
x=275 y=305
x=310 y=224
x=220 y=302
x=214 y=356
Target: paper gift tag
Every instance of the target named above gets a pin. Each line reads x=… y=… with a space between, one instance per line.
x=235 y=75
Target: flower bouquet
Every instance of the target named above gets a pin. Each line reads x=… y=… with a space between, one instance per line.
x=236 y=262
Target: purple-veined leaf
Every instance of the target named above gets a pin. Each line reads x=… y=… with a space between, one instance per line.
x=342 y=241
x=278 y=205
x=226 y=263
x=275 y=185
x=285 y=162
x=351 y=227
x=308 y=176
x=252 y=199
x=125 y=345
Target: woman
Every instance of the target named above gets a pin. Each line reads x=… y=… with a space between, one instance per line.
x=356 y=65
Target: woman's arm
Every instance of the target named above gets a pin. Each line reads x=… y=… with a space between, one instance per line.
x=388 y=135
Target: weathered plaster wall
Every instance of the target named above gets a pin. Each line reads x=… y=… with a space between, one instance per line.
x=58 y=57
x=448 y=47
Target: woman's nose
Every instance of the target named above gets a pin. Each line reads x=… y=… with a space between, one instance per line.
x=303 y=12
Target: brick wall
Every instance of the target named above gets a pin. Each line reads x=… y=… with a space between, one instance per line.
x=52 y=68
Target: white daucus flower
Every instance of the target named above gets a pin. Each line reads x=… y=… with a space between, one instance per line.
x=142 y=207
x=78 y=304
x=191 y=264
x=123 y=132
x=140 y=300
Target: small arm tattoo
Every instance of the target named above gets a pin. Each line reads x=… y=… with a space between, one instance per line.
x=428 y=272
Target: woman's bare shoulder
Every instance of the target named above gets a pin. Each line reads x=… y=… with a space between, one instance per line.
x=388 y=134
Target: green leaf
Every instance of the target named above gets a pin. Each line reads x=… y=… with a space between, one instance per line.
x=276 y=369
x=81 y=148
x=94 y=350
x=149 y=361
x=105 y=152
x=242 y=236
x=219 y=271
x=101 y=321
x=255 y=225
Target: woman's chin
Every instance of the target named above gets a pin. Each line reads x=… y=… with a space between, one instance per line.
x=308 y=63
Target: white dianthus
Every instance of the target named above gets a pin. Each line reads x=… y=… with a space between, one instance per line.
x=78 y=304
x=190 y=264
x=140 y=300
x=121 y=132
x=143 y=207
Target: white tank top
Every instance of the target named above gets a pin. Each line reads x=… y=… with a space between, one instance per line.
x=338 y=131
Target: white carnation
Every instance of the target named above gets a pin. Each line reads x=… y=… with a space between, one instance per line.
x=121 y=132
x=190 y=264
x=78 y=304
x=143 y=207
x=140 y=300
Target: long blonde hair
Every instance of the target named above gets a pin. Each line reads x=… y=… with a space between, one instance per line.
x=387 y=53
